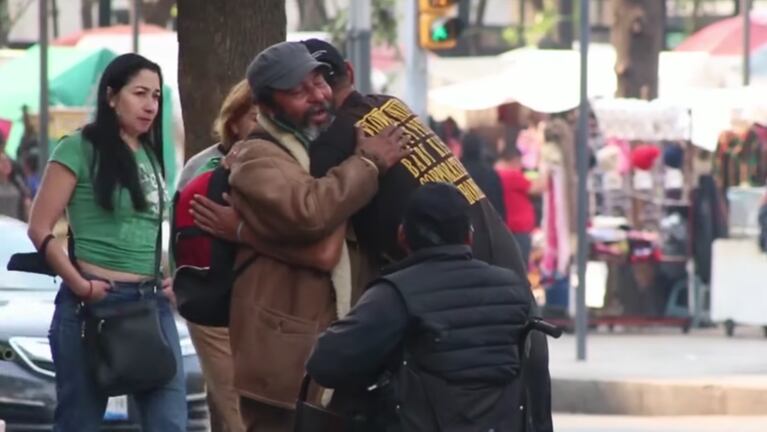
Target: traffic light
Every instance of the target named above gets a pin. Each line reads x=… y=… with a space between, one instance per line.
x=439 y=25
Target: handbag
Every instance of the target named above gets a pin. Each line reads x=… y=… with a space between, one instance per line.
x=312 y=418
x=124 y=344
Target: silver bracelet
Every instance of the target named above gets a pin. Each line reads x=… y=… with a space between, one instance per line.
x=239 y=231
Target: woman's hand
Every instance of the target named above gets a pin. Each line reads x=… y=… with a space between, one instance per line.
x=167 y=290
x=92 y=291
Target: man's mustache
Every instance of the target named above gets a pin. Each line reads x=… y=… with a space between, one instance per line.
x=316 y=109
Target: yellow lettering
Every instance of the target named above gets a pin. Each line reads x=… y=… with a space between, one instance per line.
x=395 y=111
x=427 y=158
x=379 y=120
x=398 y=110
x=456 y=167
x=474 y=193
x=468 y=192
x=421 y=166
x=367 y=128
x=438 y=146
x=422 y=130
x=411 y=131
x=413 y=170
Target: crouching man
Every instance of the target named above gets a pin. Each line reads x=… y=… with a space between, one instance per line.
x=438 y=334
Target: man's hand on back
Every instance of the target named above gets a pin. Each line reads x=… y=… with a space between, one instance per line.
x=384 y=149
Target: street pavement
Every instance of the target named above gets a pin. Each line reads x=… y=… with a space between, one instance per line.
x=663 y=354
x=588 y=423
x=660 y=371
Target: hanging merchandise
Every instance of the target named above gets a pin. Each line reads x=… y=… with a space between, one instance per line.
x=642 y=173
x=636 y=119
x=643 y=157
x=673 y=155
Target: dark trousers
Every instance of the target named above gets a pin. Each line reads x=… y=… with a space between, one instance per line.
x=538 y=383
x=260 y=417
x=80 y=405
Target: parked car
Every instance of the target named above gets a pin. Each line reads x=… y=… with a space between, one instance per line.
x=27 y=376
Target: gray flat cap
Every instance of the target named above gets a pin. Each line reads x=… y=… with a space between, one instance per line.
x=282 y=66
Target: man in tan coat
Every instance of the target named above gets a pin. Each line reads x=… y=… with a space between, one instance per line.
x=278 y=308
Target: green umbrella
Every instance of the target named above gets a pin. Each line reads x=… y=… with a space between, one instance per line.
x=73 y=75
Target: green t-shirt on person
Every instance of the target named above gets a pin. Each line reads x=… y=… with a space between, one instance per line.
x=124 y=239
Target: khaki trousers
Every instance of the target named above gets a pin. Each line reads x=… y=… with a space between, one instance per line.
x=215 y=354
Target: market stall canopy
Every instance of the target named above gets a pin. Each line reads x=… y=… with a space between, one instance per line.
x=543 y=80
x=73 y=75
x=715 y=110
x=725 y=37
x=74 y=38
x=636 y=119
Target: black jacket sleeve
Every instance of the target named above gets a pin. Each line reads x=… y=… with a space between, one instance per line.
x=495 y=194
x=354 y=350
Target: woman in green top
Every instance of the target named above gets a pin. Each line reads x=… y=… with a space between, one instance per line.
x=108 y=178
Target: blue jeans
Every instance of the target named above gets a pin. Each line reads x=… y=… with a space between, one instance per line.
x=80 y=404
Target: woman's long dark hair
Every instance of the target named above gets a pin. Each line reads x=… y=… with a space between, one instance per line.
x=114 y=162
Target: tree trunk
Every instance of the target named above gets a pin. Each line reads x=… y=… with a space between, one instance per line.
x=157 y=12
x=637 y=37
x=86 y=13
x=217 y=41
x=312 y=15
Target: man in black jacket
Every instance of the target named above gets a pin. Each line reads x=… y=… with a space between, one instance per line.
x=375 y=226
x=447 y=326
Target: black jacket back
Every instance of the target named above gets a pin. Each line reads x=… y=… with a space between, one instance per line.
x=461 y=355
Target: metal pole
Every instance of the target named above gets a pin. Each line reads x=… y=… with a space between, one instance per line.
x=43 y=110
x=416 y=69
x=135 y=21
x=55 y=12
x=581 y=318
x=359 y=43
x=745 y=10
x=521 y=25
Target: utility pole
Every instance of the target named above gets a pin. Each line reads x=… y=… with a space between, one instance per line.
x=135 y=22
x=43 y=110
x=55 y=12
x=581 y=318
x=416 y=71
x=358 y=45
x=521 y=25
x=105 y=13
x=745 y=10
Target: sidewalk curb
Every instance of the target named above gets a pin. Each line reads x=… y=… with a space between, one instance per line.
x=654 y=398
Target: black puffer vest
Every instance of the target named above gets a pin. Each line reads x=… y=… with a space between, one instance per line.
x=461 y=355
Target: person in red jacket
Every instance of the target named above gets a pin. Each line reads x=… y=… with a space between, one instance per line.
x=517 y=189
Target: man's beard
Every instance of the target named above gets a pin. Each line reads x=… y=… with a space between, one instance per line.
x=305 y=126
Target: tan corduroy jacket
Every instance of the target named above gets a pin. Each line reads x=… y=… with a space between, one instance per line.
x=278 y=309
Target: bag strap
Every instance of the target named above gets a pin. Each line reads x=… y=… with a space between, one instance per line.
x=161 y=196
x=303 y=393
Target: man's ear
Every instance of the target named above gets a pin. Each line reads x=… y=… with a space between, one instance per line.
x=349 y=71
x=402 y=239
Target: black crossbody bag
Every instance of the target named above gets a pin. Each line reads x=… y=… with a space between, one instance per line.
x=125 y=347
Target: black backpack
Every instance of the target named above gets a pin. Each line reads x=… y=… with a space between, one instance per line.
x=205 y=272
